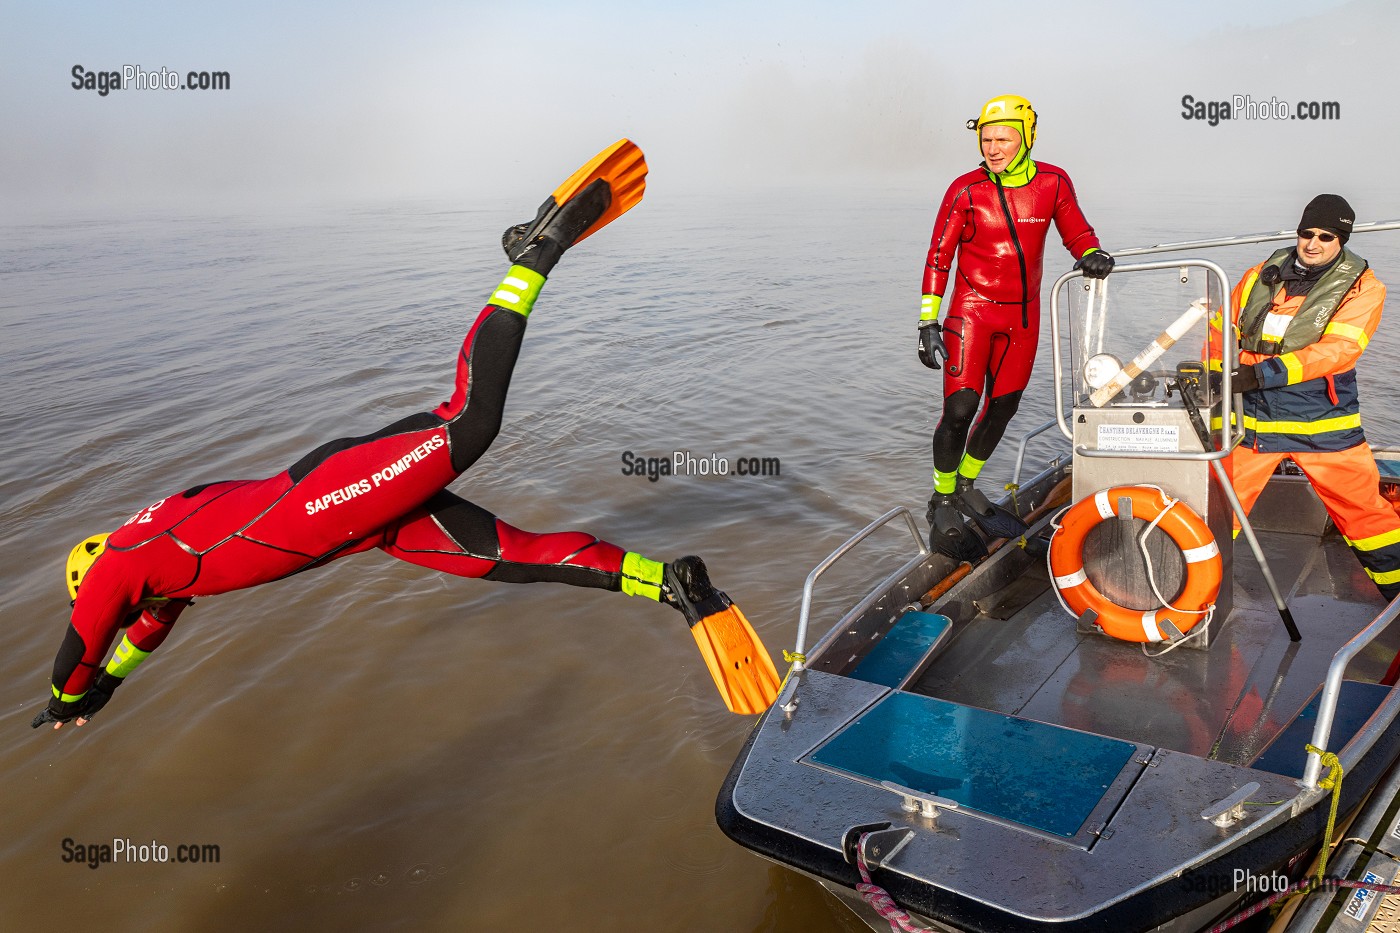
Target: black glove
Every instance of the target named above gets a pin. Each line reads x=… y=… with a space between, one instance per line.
x=931 y=344
x=1095 y=265
x=1244 y=379
x=47 y=715
x=102 y=689
x=83 y=708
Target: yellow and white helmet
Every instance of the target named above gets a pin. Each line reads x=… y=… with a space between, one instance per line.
x=1012 y=109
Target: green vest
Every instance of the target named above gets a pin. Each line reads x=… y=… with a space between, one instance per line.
x=1319 y=305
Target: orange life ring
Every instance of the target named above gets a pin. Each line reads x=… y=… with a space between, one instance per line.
x=1186 y=529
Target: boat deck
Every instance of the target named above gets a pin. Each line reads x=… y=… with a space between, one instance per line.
x=997 y=738
x=1019 y=653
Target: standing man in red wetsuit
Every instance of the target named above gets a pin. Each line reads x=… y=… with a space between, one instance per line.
x=995 y=218
x=385 y=490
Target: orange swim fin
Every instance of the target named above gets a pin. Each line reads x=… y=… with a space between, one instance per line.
x=738 y=661
x=623 y=167
x=608 y=186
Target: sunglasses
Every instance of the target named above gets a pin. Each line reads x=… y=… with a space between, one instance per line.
x=1321 y=236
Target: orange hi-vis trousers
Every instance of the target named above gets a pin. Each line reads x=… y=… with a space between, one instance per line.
x=1348 y=484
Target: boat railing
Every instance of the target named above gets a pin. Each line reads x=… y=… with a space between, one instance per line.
x=839 y=553
x=1243 y=240
x=1331 y=691
x=1332 y=687
x=1021 y=449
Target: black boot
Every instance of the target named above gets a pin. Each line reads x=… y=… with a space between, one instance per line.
x=687 y=587
x=539 y=243
x=948 y=531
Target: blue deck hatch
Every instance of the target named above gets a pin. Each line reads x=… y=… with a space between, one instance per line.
x=895 y=656
x=1042 y=776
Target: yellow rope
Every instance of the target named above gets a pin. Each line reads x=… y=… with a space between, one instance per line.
x=1334 y=782
x=1012 y=488
x=1016 y=508
x=793 y=658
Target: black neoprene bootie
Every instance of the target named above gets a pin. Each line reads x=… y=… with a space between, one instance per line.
x=538 y=244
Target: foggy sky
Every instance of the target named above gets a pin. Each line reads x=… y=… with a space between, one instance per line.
x=347 y=101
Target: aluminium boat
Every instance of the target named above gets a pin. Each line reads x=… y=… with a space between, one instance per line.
x=993 y=761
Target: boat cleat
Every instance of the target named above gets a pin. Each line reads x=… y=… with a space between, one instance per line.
x=1226 y=813
x=926 y=805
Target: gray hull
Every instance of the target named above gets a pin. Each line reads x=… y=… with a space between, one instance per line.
x=1022 y=773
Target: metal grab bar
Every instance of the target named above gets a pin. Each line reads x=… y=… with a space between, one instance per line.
x=1082 y=451
x=1332 y=688
x=1244 y=239
x=833 y=557
x=1021 y=449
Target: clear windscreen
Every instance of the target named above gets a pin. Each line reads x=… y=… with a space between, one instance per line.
x=1117 y=328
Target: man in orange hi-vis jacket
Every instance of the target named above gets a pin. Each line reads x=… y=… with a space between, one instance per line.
x=1304 y=316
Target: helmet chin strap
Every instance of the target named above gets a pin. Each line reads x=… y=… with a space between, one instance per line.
x=1019 y=171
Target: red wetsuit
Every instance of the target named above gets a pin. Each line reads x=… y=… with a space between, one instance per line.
x=384 y=490
x=992 y=322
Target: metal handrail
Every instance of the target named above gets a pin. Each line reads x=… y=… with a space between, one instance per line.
x=1208 y=455
x=836 y=555
x=1244 y=239
x=1332 y=688
x=1021 y=449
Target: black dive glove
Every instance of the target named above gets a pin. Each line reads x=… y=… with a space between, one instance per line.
x=1095 y=265
x=931 y=344
x=47 y=714
x=83 y=708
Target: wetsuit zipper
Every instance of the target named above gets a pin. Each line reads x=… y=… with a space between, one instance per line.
x=1020 y=254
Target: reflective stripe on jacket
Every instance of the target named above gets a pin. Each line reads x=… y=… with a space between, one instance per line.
x=1307 y=398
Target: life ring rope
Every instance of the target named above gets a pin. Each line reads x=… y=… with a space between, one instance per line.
x=1192 y=556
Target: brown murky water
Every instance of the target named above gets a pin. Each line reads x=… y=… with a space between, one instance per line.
x=374 y=746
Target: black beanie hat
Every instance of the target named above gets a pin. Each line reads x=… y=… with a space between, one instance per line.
x=1329 y=212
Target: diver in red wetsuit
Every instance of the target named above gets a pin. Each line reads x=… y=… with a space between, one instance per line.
x=384 y=490
x=995 y=218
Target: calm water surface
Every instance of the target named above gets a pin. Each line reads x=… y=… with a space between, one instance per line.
x=375 y=746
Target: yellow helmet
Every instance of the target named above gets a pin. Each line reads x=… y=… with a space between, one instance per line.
x=81 y=559
x=1008 y=108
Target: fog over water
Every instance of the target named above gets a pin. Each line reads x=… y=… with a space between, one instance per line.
x=356 y=101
